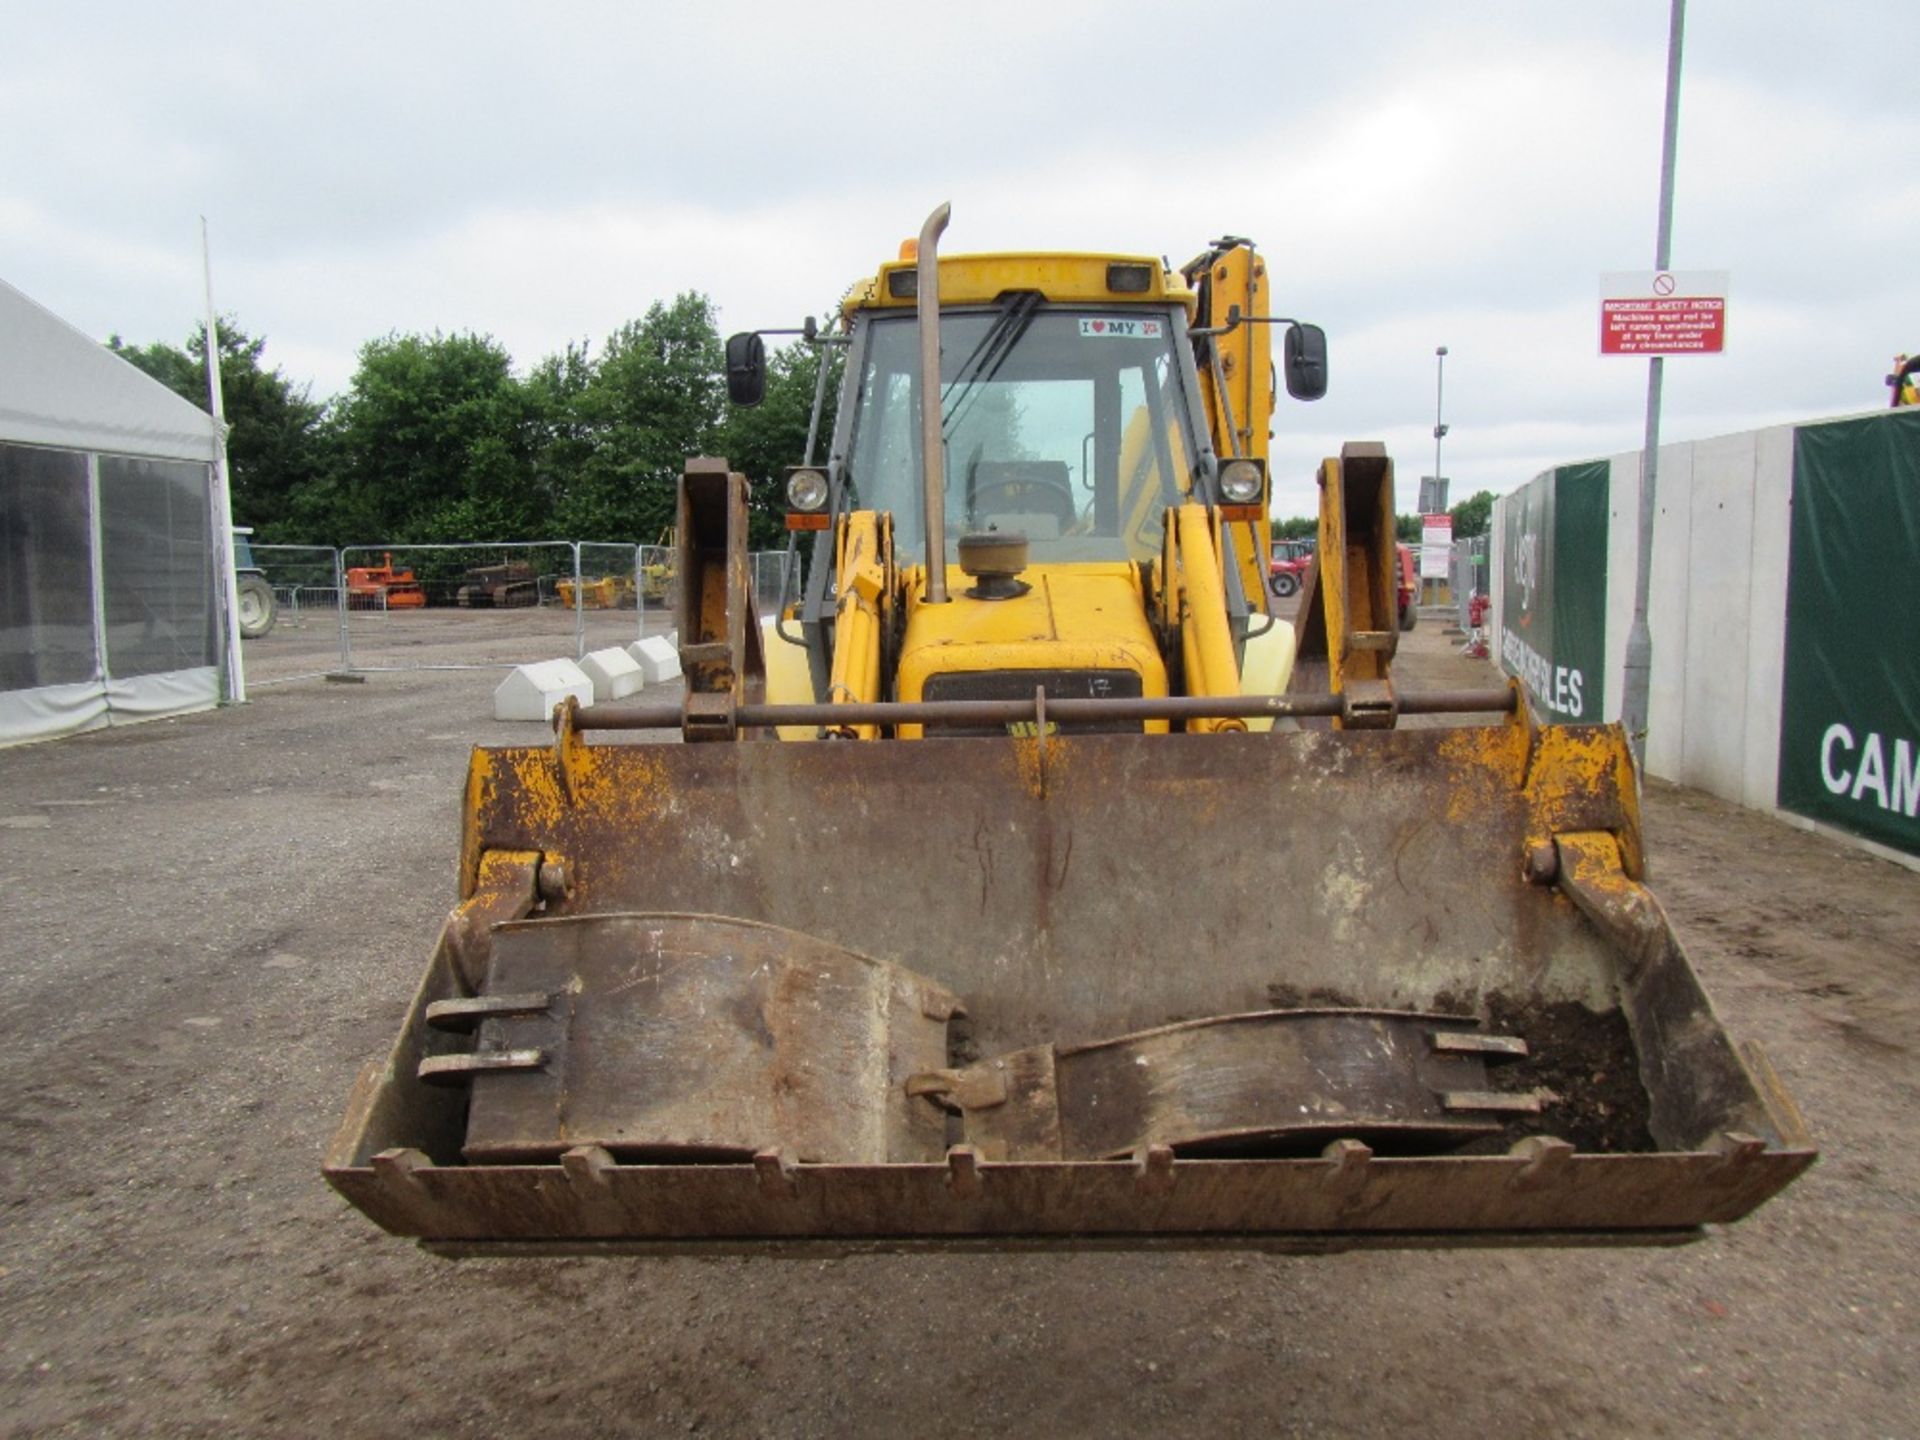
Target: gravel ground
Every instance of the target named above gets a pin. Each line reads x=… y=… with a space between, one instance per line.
x=212 y=922
x=307 y=644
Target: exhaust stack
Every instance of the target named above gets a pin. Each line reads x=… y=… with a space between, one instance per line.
x=933 y=455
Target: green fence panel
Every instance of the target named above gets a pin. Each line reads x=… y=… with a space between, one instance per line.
x=1553 y=610
x=1850 y=702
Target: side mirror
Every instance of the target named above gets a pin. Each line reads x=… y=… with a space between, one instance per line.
x=1306 y=362
x=747 y=368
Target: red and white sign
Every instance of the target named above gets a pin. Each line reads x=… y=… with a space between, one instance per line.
x=1436 y=546
x=1663 y=312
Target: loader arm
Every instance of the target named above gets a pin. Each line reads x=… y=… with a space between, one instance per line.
x=1237 y=380
x=1346 y=627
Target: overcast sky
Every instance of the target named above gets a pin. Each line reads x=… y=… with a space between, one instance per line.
x=1418 y=175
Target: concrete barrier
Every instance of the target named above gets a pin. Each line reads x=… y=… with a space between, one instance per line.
x=658 y=657
x=615 y=674
x=534 y=692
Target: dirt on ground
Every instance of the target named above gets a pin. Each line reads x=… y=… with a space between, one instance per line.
x=212 y=922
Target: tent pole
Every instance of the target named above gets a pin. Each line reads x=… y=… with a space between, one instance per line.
x=226 y=577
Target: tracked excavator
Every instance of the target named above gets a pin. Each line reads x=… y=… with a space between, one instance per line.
x=1021 y=878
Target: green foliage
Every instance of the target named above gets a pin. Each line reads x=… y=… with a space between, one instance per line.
x=1406 y=529
x=653 y=398
x=274 y=444
x=1297 y=527
x=1473 y=516
x=434 y=441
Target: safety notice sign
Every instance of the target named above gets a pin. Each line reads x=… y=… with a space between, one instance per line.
x=1663 y=312
x=1436 y=546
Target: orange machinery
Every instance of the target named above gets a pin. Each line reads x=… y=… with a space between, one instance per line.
x=369 y=587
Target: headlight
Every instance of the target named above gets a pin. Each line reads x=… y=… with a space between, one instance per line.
x=1240 y=482
x=807 y=490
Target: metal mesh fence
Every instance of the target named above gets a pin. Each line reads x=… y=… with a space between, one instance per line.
x=1469 y=565
x=431 y=606
x=608 y=599
x=305 y=580
x=467 y=606
x=300 y=643
x=769 y=566
x=655 y=574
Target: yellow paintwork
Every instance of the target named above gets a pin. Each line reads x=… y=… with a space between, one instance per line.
x=1064 y=278
x=1266 y=665
x=1246 y=355
x=1205 y=637
x=1088 y=616
x=1079 y=615
x=789 y=680
x=863 y=574
x=1246 y=361
x=608 y=592
x=1142 y=497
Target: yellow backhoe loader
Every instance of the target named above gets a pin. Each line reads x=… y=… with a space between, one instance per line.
x=1021 y=877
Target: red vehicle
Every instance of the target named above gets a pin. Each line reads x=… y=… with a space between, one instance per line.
x=1288 y=566
x=1292 y=557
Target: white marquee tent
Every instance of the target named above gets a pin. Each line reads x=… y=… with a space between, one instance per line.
x=113 y=538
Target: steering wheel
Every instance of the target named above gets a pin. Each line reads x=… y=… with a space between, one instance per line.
x=1027 y=495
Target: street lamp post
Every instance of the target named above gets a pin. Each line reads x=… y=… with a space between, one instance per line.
x=1636 y=699
x=1427 y=585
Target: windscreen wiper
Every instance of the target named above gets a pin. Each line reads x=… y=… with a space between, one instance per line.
x=983 y=362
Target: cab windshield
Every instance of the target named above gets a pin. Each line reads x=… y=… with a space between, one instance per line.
x=1071 y=427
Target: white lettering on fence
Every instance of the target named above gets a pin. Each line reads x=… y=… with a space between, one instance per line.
x=1898 y=792
x=1558 y=687
x=1836 y=780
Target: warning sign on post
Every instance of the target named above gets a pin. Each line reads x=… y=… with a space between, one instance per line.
x=1663 y=312
x=1436 y=547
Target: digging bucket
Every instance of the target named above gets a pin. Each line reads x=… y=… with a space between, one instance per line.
x=1305 y=989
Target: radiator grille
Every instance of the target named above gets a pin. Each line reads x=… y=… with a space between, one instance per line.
x=1020 y=685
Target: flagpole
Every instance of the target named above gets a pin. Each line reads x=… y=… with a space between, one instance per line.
x=227 y=579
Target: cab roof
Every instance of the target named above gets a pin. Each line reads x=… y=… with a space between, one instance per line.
x=1063 y=277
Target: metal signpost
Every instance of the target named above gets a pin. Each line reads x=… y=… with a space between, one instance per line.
x=1684 y=314
x=1433 y=494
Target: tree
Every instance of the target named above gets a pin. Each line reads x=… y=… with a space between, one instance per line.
x=433 y=441
x=1473 y=516
x=275 y=449
x=629 y=420
x=1297 y=527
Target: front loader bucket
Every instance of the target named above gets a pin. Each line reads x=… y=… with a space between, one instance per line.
x=1298 y=988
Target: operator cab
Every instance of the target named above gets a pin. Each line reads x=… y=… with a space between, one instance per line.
x=1074 y=425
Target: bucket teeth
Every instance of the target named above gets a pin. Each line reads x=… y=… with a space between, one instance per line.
x=450 y=1069
x=464 y=1014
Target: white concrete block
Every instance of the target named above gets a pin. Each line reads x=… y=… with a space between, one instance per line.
x=658 y=657
x=615 y=674
x=534 y=692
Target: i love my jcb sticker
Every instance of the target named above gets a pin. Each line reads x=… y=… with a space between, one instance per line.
x=1104 y=329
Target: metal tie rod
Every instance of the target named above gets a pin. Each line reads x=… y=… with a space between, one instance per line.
x=1065 y=711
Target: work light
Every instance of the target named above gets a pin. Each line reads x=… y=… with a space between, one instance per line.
x=1240 y=482
x=807 y=490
